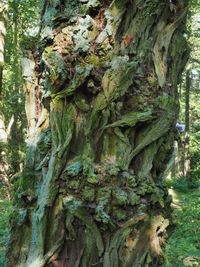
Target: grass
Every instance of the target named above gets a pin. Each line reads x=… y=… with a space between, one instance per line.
x=183 y=247
x=5 y=210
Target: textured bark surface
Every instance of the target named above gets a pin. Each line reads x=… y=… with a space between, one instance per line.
x=102 y=104
x=4 y=182
x=187 y=125
x=3 y=134
x=3 y=21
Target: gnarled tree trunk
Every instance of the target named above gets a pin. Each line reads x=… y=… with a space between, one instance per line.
x=92 y=190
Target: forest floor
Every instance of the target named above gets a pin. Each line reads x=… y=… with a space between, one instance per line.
x=5 y=211
x=183 y=246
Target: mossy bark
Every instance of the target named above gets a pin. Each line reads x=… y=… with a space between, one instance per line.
x=93 y=183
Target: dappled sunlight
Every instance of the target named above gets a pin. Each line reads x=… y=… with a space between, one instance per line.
x=176 y=201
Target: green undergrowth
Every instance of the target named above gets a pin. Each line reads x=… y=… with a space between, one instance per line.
x=183 y=247
x=5 y=211
x=182 y=184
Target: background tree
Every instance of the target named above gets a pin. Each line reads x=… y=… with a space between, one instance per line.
x=92 y=190
x=3 y=132
x=189 y=98
x=22 y=18
x=3 y=22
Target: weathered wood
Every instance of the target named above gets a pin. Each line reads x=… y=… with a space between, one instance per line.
x=93 y=193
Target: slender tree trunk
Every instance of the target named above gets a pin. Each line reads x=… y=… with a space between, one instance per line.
x=4 y=182
x=3 y=134
x=16 y=136
x=3 y=21
x=175 y=161
x=187 y=125
x=93 y=190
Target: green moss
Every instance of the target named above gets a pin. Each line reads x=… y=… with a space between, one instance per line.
x=57 y=69
x=44 y=142
x=72 y=204
x=129 y=179
x=93 y=179
x=74 y=184
x=24 y=185
x=92 y=59
x=111 y=168
x=81 y=72
x=101 y=214
x=119 y=214
x=120 y=196
x=104 y=195
x=89 y=193
x=158 y=197
x=130 y=119
x=118 y=78
x=134 y=199
x=74 y=169
x=81 y=103
x=164 y=101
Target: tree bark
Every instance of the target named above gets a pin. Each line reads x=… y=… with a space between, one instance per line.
x=187 y=125
x=3 y=22
x=3 y=134
x=16 y=136
x=92 y=190
x=4 y=182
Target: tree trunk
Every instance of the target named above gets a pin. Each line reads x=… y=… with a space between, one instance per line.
x=92 y=190
x=16 y=139
x=3 y=21
x=187 y=125
x=4 y=183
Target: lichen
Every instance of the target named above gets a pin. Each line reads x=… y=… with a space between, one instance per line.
x=73 y=169
x=101 y=215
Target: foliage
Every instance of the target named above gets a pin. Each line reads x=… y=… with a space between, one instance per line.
x=194 y=66
x=5 y=211
x=23 y=19
x=182 y=184
x=184 y=238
